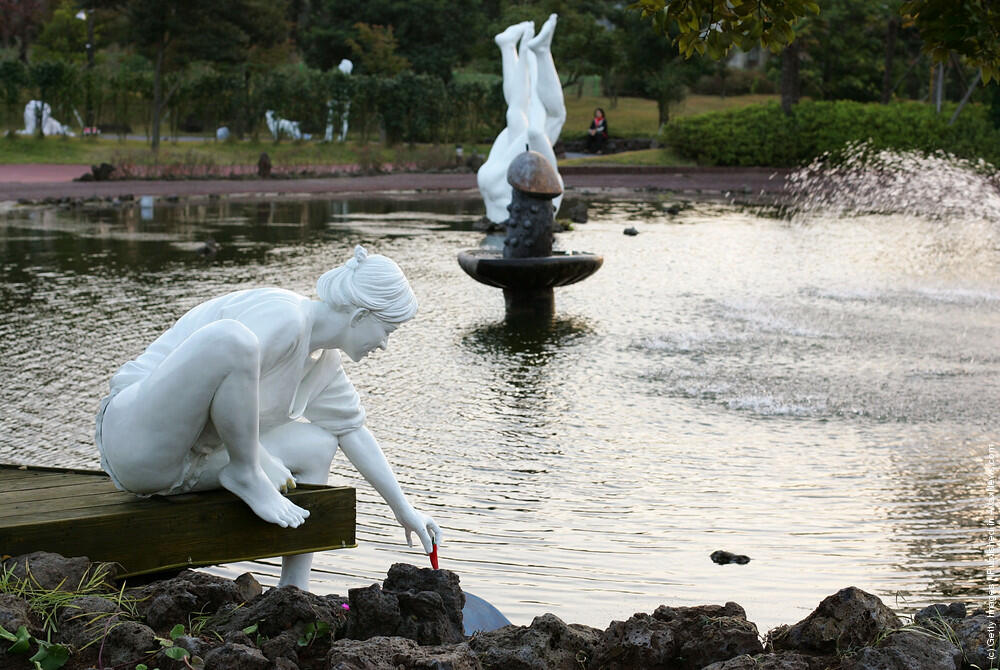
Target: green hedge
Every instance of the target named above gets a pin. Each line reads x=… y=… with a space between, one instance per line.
x=762 y=135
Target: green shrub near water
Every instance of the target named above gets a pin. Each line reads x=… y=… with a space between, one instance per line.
x=762 y=135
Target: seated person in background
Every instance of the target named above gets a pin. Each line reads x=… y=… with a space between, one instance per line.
x=598 y=133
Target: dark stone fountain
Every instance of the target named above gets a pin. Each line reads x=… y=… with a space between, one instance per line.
x=527 y=269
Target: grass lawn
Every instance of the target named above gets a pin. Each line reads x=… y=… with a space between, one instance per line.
x=659 y=157
x=209 y=153
x=638 y=117
x=632 y=117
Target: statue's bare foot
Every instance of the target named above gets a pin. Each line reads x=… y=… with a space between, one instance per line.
x=253 y=487
x=543 y=40
x=275 y=470
x=514 y=33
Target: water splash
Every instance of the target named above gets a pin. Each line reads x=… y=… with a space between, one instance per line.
x=935 y=187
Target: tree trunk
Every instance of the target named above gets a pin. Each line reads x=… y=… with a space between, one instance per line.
x=939 y=88
x=39 y=130
x=890 y=54
x=789 y=77
x=157 y=98
x=88 y=112
x=965 y=98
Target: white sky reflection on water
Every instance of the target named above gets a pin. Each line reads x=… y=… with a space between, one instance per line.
x=816 y=394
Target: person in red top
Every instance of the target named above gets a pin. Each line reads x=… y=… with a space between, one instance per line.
x=598 y=132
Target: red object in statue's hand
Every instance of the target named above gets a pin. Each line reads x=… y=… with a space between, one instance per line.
x=434 y=556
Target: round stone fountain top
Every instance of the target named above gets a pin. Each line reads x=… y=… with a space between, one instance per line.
x=532 y=174
x=560 y=269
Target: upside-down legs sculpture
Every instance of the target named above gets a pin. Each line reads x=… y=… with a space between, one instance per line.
x=535 y=110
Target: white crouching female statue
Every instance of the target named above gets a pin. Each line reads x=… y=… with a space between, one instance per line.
x=247 y=392
x=536 y=110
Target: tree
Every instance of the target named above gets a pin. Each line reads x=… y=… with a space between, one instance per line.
x=583 y=46
x=970 y=28
x=654 y=67
x=433 y=35
x=844 y=53
x=374 y=51
x=13 y=78
x=173 y=34
x=63 y=37
x=716 y=26
x=19 y=22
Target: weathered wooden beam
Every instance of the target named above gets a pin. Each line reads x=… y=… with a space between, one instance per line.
x=80 y=513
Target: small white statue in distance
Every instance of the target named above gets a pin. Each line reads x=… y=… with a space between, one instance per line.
x=536 y=111
x=49 y=125
x=247 y=392
x=345 y=67
x=279 y=126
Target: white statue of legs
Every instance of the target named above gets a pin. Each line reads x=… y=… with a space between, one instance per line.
x=536 y=111
x=247 y=392
x=346 y=67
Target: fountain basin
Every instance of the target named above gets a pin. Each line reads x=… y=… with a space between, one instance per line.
x=488 y=266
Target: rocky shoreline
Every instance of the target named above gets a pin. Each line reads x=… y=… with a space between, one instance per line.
x=69 y=613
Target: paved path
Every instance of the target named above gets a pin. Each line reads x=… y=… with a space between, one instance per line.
x=37 y=182
x=36 y=173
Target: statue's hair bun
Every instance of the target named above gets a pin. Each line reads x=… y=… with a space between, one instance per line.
x=359 y=255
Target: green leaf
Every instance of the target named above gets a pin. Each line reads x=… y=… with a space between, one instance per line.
x=50 y=656
x=250 y=630
x=7 y=635
x=141 y=666
x=22 y=641
x=176 y=653
x=307 y=635
x=177 y=631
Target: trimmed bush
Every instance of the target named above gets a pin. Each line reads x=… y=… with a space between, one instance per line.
x=762 y=135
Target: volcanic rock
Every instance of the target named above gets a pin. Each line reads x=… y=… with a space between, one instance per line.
x=420 y=604
x=15 y=612
x=168 y=602
x=788 y=660
x=849 y=619
x=907 y=650
x=685 y=638
x=55 y=572
x=378 y=653
x=548 y=643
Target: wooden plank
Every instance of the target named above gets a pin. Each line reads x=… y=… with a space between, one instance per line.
x=63 y=505
x=122 y=502
x=68 y=492
x=81 y=514
x=163 y=533
x=44 y=469
x=49 y=480
x=8 y=473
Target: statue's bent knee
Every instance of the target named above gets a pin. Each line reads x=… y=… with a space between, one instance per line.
x=231 y=340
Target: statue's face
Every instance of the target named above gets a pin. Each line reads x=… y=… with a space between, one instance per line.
x=365 y=336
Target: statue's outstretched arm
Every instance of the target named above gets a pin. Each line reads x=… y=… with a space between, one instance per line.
x=363 y=451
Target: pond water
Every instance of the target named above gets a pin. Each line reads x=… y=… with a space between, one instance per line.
x=819 y=394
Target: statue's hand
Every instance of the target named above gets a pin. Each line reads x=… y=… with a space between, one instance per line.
x=423 y=525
